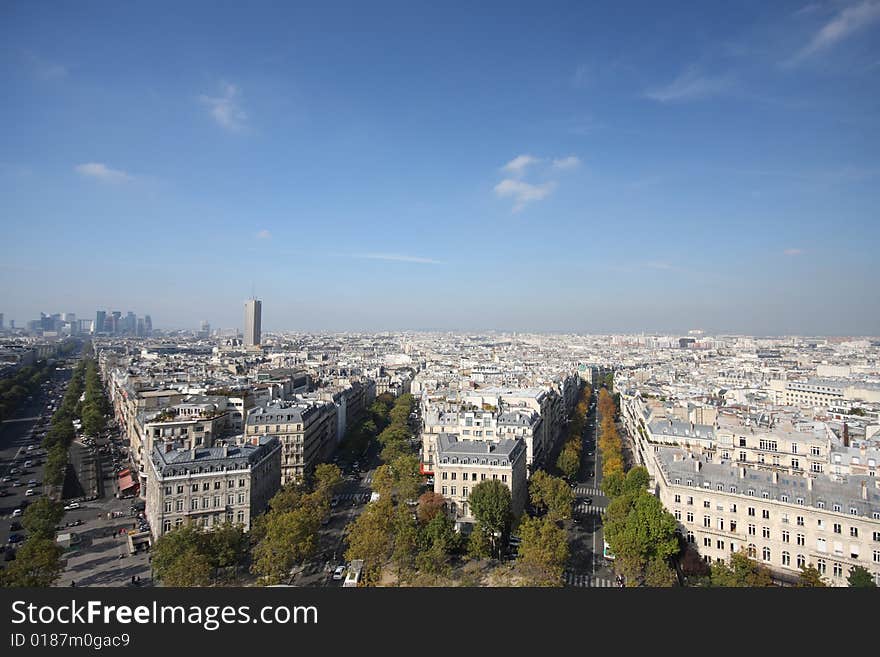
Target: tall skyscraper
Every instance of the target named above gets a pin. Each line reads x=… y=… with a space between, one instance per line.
x=130 y=323
x=253 y=310
x=100 y=320
x=148 y=326
x=1 y=321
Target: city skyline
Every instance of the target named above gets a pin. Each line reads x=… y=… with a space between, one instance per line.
x=563 y=171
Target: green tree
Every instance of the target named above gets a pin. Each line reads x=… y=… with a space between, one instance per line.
x=191 y=569
x=171 y=552
x=810 y=577
x=490 y=504
x=227 y=545
x=479 y=543
x=860 y=577
x=370 y=538
x=658 y=573
x=636 y=480
x=612 y=484
x=41 y=518
x=543 y=551
x=287 y=537
x=552 y=494
x=740 y=572
x=37 y=564
x=569 y=460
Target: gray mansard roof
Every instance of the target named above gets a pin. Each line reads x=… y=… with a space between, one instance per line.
x=476 y=451
x=180 y=461
x=845 y=491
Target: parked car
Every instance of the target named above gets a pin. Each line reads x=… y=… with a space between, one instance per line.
x=72 y=506
x=29 y=492
x=339 y=573
x=16 y=538
x=16 y=513
x=15 y=526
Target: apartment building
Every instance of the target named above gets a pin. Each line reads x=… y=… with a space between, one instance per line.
x=462 y=464
x=306 y=429
x=209 y=486
x=784 y=521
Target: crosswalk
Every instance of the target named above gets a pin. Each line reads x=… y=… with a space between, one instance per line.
x=586 y=490
x=583 y=580
x=345 y=497
x=588 y=509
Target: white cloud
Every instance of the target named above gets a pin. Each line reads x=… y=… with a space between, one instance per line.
x=264 y=234
x=690 y=85
x=517 y=166
x=102 y=172
x=399 y=258
x=226 y=109
x=793 y=252
x=523 y=192
x=564 y=163
x=848 y=21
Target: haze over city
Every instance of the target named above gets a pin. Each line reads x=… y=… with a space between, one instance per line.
x=518 y=169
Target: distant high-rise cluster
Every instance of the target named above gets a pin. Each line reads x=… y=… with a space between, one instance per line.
x=115 y=324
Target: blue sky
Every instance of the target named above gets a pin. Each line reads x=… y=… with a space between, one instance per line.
x=525 y=166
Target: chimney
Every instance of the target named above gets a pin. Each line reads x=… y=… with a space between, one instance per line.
x=698 y=465
x=742 y=472
x=809 y=483
x=167 y=446
x=775 y=477
x=864 y=490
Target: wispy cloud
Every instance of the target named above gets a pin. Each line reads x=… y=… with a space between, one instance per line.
x=42 y=67
x=102 y=172
x=393 y=257
x=264 y=234
x=226 y=109
x=691 y=85
x=845 y=23
x=523 y=192
x=518 y=165
x=563 y=163
x=793 y=252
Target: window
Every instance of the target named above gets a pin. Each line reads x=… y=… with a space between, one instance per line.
x=821 y=566
x=464 y=491
x=783 y=498
x=194 y=488
x=814 y=451
x=504 y=478
x=453 y=476
x=452 y=490
x=801 y=561
x=721 y=524
x=733 y=508
x=801 y=539
x=800 y=501
x=719 y=545
x=853 y=511
x=751 y=530
x=838 y=528
x=821 y=545
x=690 y=500
x=241 y=483
x=836 y=507
x=443 y=490
x=854 y=532
x=820 y=504
x=795 y=464
x=707 y=521
x=230 y=500
x=168 y=490
x=445 y=475
x=786 y=537
x=206 y=485
x=794 y=448
x=179 y=490
x=815 y=467
x=820 y=523
x=876 y=556
x=194 y=504
x=785 y=518
x=752 y=551
x=707 y=542
x=751 y=511
x=800 y=521
x=690 y=517
x=678 y=499
x=786 y=559
x=179 y=505
x=677 y=514
x=765 y=495
x=837 y=569
x=733 y=525
x=241 y=517
x=765 y=514
x=690 y=537
x=765 y=532
x=765 y=553
x=877 y=536
x=166 y=526
x=707 y=504
x=168 y=507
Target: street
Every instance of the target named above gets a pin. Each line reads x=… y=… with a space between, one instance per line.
x=587 y=567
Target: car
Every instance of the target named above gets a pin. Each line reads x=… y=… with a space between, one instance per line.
x=5 y=479
x=4 y=493
x=334 y=502
x=587 y=500
x=32 y=482
x=29 y=492
x=15 y=526
x=339 y=573
x=16 y=513
x=16 y=538
x=72 y=506
x=16 y=483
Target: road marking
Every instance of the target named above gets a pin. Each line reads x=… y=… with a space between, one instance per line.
x=21 y=419
x=584 y=580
